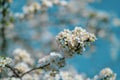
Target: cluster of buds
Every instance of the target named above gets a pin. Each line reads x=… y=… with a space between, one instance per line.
x=4 y=61
x=74 y=42
x=52 y=63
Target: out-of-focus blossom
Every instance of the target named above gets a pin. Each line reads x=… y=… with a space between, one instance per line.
x=12 y=78
x=103 y=16
x=52 y=62
x=70 y=74
x=32 y=8
x=47 y=3
x=22 y=67
x=116 y=21
x=29 y=77
x=63 y=3
x=50 y=3
x=19 y=15
x=56 y=1
x=105 y=74
x=72 y=42
x=102 y=33
x=9 y=1
x=22 y=55
x=114 y=47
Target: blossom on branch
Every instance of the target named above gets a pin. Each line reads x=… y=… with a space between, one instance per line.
x=107 y=74
x=74 y=42
x=22 y=55
x=4 y=61
x=52 y=62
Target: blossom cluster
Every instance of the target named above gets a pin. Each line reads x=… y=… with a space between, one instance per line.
x=69 y=74
x=66 y=75
x=4 y=61
x=71 y=42
x=22 y=67
x=21 y=55
x=72 y=74
x=52 y=62
x=74 y=42
x=50 y=3
x=34 y=7
x=107 y=74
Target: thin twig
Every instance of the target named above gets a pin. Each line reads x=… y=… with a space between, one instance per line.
x=13 y=70
x=20 y=76
x=41 y=67
x=29 y=71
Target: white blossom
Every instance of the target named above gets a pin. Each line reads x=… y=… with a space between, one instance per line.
x=13 y=78
x=4 y=61
x=47 y=3
x=107 y=74
x=31 y=8
x=63 y=2
x=116 y=22
x=52 y=62
x=72 y=42
x=22 y=55
x=22 y=67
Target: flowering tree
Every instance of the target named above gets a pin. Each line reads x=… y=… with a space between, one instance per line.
x=25 y=66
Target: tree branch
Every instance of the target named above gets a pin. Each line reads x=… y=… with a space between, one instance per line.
x=41 y=67
x=4 y=13
x=13 y=70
